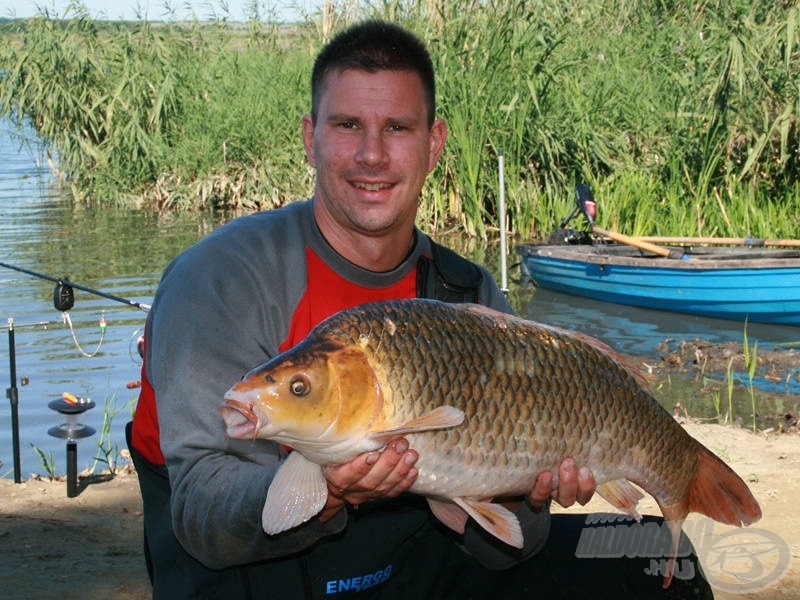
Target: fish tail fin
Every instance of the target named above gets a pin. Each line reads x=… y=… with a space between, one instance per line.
x=715 y=491
x=718 y=492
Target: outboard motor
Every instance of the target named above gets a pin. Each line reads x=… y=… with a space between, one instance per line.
x=584 y=204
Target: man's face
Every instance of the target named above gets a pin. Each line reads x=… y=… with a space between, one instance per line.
x=372 y=149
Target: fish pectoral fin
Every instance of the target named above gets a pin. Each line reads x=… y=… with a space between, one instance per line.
x=440 y=417
x=449 y=513
x=298 y=492
x=622 y=494
x=494 y=518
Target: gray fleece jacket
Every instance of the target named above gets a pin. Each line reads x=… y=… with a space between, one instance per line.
x=225 y=305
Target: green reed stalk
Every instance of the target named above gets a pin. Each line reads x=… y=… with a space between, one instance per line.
x=751 y=361
x=107 y=451
x=715 y=399
x=47 y=461
x=730 y=379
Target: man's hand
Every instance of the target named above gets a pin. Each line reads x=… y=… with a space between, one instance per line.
x=370 y=476
x=566 y=487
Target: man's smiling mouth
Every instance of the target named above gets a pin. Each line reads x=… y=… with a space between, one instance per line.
x=372 y=187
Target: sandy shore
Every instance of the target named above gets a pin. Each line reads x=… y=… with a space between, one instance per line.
x=90 y=546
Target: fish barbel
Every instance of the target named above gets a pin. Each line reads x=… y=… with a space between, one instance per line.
x=489 y=401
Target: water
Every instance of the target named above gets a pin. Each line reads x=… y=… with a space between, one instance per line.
x=123 y=252
x=639 y=331
x=116 y=251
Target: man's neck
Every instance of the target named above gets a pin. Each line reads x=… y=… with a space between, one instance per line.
x=374 y=253
x=377 y=252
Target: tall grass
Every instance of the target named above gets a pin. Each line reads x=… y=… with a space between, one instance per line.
x=683 y=117
x=751 y=362
x=108 y=452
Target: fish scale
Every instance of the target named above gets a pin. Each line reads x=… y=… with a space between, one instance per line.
x=489 y=401
x=515 y=355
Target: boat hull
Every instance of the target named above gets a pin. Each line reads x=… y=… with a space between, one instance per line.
x=742 y=284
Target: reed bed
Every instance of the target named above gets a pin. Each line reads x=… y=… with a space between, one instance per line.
x=682 y=117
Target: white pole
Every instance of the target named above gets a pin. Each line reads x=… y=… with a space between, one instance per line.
x=502 y=210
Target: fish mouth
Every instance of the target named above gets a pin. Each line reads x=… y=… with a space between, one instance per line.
x=241 y=419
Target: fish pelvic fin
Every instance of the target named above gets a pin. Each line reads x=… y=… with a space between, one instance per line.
x=674 y=523
x=622 y=494
x=297 y=492
x=449 y=513
x=494 y=518
x=718 y=492
x=441 y=417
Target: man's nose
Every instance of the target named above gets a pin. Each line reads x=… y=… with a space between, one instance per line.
x=372 y=150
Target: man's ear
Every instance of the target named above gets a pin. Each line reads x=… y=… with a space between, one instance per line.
x=308 y=140
x=438 y=136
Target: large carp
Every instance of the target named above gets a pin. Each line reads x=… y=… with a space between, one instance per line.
x=488 y=400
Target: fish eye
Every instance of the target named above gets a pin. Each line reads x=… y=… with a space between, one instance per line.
x=300 y=385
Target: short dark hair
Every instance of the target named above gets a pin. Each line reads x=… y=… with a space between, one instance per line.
x=374 y=46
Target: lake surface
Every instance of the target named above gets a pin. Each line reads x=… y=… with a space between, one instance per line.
x=123 y=251
x=116 y=251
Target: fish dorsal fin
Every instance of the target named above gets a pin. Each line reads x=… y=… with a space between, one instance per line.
x=598 y=345
x=440 y=417
x=622 y=494
x=494 y=518
x=449 y=513
x=480 y=309
x=297 y=492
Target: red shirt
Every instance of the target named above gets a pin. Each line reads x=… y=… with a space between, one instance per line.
x=326 y=293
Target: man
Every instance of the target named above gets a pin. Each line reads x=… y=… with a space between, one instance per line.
x=254 y=288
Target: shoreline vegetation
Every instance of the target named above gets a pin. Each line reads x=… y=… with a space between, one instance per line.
x=684 y=119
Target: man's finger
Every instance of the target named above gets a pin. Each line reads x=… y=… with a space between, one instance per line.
x=586 y=485
x=542 y=488
x=567 y=490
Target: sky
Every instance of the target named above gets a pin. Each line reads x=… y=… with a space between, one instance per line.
x=155 y=10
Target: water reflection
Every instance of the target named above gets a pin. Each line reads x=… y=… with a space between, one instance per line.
x=637 y=330
x=114 y=250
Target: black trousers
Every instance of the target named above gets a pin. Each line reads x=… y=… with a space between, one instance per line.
x=555 y=572
x=173 y=572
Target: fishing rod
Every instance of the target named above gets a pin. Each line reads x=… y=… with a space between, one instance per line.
x=63 y=300
x=63 y=295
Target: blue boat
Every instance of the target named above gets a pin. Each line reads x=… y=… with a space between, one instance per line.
x=746 y=283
